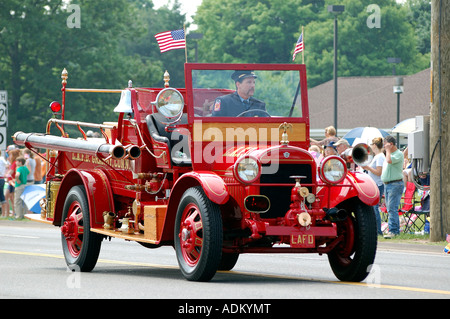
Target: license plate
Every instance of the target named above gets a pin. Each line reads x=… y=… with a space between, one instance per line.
x=301 y=240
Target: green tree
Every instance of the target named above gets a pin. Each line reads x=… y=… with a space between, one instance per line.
x=144 y=47
x=22 y=42
x=266 y=32
x=420 y=19
x=251 y=31
x=38 y=43
x=109 y=45
x=363 y=47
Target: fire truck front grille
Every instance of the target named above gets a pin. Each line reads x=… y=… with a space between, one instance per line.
x=280 y=196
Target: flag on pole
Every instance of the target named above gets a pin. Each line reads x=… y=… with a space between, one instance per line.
x=171 y=40
x=298 y=46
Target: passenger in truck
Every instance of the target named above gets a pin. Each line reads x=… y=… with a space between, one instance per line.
x=241 y=102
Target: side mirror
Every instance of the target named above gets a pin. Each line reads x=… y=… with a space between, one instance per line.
x=170 y=103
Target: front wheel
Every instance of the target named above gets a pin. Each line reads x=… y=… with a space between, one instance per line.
x=198 y=236
x=352 y=258
x=81 y=247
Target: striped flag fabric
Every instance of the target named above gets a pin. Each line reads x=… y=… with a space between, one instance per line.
x=171 y=40
x=298 y=46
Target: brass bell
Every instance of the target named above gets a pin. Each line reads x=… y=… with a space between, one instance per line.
x=124 y=105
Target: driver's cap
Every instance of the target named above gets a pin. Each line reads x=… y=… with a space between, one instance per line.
x=242 y=74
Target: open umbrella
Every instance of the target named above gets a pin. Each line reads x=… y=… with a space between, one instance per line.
x=364 y=135
x=405 y=126
x=32 y=195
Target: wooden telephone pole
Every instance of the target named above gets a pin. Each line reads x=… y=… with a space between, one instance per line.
x=440 y=120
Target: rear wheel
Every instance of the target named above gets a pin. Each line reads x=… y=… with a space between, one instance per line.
x=228 y=261
x=352 y=258
x=198 y=236
x=81 y=247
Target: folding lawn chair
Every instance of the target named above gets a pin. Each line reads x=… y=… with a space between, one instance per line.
x=415 y=212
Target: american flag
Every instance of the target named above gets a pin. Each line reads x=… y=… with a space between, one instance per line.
x=298 y=46
x=171 y=40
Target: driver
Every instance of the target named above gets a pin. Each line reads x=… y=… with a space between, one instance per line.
x=242 y=100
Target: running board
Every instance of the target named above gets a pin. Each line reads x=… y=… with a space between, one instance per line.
x=38 y=218
x=119 y=234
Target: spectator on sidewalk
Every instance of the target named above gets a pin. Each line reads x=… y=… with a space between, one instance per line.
x=13 y=154
x=374 y=169
x=330 y=136
x=392 y=177
x=30 y=163
x=21 y=181
x=3 y=166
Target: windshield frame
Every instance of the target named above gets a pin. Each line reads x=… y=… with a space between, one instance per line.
x=190 y=67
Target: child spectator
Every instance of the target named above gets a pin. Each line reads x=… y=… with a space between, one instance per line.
x=21 y=181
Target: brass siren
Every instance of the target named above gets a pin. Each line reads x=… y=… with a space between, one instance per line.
x=362 y=154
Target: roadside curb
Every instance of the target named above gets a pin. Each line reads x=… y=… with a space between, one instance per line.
x=411 y=247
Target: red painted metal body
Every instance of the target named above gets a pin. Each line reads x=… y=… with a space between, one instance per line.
x=148 y=189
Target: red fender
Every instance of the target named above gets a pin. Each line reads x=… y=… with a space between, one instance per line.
x=98 y=191
x=363 y=187
x=368 y=191
x=213 y=186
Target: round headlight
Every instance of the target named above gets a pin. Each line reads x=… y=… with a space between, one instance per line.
x=170 y=103
x=247 y=169
x=333 y=170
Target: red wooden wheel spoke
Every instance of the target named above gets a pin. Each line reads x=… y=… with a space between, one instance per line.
x=191 y=234
x=73 y=229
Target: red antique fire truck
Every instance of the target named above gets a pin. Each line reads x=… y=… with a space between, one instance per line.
x=194 y=169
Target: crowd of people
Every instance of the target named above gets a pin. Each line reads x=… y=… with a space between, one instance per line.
x=387 y=168
x=18 y=168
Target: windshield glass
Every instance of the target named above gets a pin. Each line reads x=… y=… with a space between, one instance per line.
x=246 y=93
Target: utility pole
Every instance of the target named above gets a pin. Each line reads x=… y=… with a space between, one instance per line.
x=439 y=119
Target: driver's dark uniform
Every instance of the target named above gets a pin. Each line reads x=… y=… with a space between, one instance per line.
x=232 y=105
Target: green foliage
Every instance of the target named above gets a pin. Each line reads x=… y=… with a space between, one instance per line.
x=115 y=43
x=266 y=32
x=250 y=31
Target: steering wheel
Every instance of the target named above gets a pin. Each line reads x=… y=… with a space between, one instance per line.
x=264 y=113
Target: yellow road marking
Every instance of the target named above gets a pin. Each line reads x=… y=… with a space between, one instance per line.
x=361 y=284
x=30 y=254
x=431 y=291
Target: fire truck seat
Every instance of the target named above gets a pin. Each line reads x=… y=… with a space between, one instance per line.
x=180 y=154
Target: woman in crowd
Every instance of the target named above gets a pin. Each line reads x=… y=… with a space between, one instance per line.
x=13 y=154
x=374 y=170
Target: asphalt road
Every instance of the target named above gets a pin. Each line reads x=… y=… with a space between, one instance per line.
x=32 y=266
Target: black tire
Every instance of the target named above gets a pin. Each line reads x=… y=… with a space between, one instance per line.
x=198 y=236
x=351 y=260
x=228 y=261
x=81 y=247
